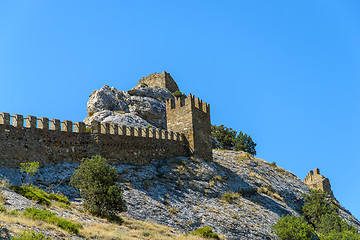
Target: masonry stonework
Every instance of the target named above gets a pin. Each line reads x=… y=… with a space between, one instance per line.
x=316 y=181
x=192 y=118
x=162 y=80
x=20 y=144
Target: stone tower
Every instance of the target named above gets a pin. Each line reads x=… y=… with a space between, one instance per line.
x=191 y=117
x=316 y=181
x=160 y=79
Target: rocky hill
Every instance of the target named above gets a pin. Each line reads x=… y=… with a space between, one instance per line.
x=237 y=195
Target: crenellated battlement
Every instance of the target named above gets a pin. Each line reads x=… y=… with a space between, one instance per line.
x=106 y=128
x=189 y=101
x=24 y=139
x=191 y=116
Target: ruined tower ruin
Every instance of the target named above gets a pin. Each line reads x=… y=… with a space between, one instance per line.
x=316 y=181
x=162 y=80
x=191 y=117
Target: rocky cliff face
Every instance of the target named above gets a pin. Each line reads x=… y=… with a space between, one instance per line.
x=237 y=195
x=141 y=106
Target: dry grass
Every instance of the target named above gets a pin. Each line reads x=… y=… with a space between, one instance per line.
x=268 y=190
x=99 y=229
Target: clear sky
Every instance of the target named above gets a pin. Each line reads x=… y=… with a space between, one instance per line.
x=285 y=72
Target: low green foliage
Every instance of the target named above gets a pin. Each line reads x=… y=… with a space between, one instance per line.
x=99 y=187
x=144 y=84
x=31 y=235
x=52 y=218
x=230 y=197
x=30 y=168
x=2 y=209
x=293 y=228
x=273 y=164
x=178 y=94
x=38 y=195
x=88 y=129
x=206 y=232
x=322 y=215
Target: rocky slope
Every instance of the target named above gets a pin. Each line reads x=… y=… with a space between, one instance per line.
x=141 y=106
x=239 y=196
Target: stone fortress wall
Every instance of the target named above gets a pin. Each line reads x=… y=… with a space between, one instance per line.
x=316 y=181
x=51 y=141
x=68 y=142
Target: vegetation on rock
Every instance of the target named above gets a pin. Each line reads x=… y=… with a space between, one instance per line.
x=30 y=168
x=320 y=218
x=99 y=187
x=229 y=139
x=206 y=232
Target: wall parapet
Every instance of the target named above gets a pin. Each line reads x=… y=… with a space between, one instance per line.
x=52 y=141
x=18 y=121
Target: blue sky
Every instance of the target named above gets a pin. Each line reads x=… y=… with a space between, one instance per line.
x=286 y=72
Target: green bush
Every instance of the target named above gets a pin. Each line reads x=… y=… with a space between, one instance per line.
x=178 y=94
x=31 y=235
x=144 y=84
x=32 y=193
x=30 y=168
x=317 y=204
x=293 y=228
x=345 y=235
x=99 y=187
x=2 y=209
x=52 y=218
x=206 y=232
x=38 y=195
x=230 y=197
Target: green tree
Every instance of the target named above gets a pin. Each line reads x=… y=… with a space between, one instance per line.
x=225 y=136
x=99 y=187
x=293 y=228
x=30 y=168
x=244 y=142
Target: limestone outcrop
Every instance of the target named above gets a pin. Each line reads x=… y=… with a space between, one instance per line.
x=142 y=106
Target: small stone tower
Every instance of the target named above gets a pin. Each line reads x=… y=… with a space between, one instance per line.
x=315 y=180
x=191 y=117
x=160 y=79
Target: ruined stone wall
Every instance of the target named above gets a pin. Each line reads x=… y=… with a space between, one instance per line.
x=68 y=142
x=160 y=79
x=192 y=118
x=316 y=181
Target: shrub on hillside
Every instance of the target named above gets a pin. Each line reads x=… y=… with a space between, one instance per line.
x=99 y=187
x=206 y=232
x=30 y=168
x=178 y=94
x=317 y=204
x=293 y=228
x=31 y=235
x=49 y=217
x=38 y=195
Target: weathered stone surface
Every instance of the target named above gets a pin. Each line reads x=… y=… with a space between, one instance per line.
x=126 y=119
x=155 y=92
x=147 y=103
x=318 y=182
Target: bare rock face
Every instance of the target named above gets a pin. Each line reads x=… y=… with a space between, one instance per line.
x=141 y=106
